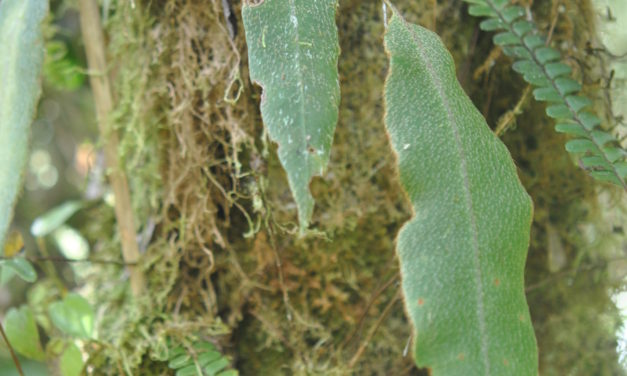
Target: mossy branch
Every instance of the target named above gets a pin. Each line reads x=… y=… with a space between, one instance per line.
x=601 y=154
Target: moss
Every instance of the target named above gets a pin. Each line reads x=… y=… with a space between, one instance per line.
x=225 y=263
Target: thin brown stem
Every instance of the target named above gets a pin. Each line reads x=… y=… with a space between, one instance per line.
x=376 y=326
x=67 y=260
x=93 y=38
x=15 y=359
x=371 y=301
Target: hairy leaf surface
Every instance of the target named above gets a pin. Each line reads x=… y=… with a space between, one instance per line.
x=463 y=253
x=21 y=57
x=293 y=51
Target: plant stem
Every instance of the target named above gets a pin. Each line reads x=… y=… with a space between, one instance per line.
x=93 y=38
x=15 y=359
x=373 y=330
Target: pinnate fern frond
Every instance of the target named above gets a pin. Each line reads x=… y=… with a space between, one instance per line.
x=203 y=359
x=540 y=65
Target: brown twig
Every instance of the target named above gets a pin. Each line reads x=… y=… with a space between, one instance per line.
x=95 y=49
x=371 y=301
x=63 y=259
x=373 y=330
x=15 y=359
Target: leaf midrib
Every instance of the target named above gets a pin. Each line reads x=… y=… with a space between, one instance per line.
x=301 y=85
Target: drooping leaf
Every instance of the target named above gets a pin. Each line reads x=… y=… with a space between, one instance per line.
x=73 y=315
x=20 y=267
x=293 y=52
x=21 y=331
x=54 y=218
x=21 y=56
x=463 y=253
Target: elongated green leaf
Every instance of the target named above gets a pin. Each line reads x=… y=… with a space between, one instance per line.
x=21 y=330
x=293 y=51
x=54 y=218
x=21 y=56
x=463 y=253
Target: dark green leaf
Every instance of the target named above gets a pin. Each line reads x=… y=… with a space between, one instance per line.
x=522 y=27
x=571 y=128
x=581 y=146
x=547 y=94
x=559 y=111
x=293 y=52
x=577 y=102
x=533 y=41
x=463 y=253
x=547 y=54
x=512 y=13
x=589 y=120
x=506 y=39
x=567 y=86
x=555 y=70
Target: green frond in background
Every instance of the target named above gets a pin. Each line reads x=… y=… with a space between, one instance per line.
x=205 y=361
x=600 y=152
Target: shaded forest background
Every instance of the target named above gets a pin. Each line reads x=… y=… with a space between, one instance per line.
x=217 y=223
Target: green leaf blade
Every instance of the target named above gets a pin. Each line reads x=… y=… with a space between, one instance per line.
x=293 y=50
x=463 y=253
x=21 y=331
x=21 y=59
x=20 y=267
x=73 y=315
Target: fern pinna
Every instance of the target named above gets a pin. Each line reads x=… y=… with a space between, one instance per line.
x=540 y=65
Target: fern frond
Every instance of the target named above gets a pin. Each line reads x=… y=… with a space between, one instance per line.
x=203 y=359
x=540 y=65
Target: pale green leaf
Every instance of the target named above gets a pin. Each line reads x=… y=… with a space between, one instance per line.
x=21 y=267
x=463 y=253
x=215 y=367
x=21 y=331
x=71 y=243
x=54 y=218
x=293 y=52
x=6 y=275
x=71 y=362
x=73 y=315
x=21 y=56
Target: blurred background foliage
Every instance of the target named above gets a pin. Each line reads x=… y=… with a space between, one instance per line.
x=216 y=222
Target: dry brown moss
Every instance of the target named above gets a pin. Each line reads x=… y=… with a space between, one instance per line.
x=225 y=263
